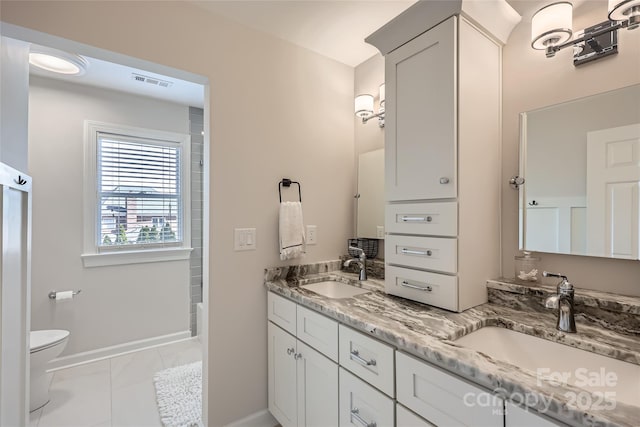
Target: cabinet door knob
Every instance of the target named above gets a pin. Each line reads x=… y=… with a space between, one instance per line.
x=297 y=356
x=290 y=351
x=444 y=180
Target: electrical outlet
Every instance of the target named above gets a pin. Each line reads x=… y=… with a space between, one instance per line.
x=312 y=234
x=380 y=232
x=244 y=239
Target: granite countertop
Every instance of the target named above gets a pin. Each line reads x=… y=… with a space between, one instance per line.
x=429 y=333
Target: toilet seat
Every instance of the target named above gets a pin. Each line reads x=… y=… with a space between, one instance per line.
x=41 y=340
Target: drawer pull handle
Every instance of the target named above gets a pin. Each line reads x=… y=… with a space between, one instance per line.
x=416 y=219
x=355 y=356
x=406 y=284
x=412 y=252
x=290 y=351
x=444 y=180
x=355 y=413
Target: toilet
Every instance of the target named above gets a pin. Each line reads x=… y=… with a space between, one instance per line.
x=44 y=346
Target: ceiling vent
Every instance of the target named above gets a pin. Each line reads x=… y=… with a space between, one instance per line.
x=151 y=80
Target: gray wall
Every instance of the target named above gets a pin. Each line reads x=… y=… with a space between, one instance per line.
x=196 y=126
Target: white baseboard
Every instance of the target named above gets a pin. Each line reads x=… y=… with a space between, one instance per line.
x=116 y=350
x=259 y=419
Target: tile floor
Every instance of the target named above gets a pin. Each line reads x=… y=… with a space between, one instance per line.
x=112 y=392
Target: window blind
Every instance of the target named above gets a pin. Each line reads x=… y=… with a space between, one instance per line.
x=139 y=192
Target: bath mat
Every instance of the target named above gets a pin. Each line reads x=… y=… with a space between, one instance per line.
x=179 y=395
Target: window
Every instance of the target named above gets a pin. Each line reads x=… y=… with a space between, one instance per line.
x=139 y=182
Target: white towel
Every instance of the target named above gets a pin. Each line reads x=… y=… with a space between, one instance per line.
x=292 y=239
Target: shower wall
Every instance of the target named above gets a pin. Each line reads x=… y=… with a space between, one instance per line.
x=196 y=127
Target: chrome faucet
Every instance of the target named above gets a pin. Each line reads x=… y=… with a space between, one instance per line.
x=361 y=262
x=563 y=301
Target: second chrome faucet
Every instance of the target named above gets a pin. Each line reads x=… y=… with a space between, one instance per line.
x=563 y=301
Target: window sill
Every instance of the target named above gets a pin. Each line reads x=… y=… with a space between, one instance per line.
x=135 y=257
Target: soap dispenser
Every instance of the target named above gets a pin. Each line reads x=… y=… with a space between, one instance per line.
x=526 y=267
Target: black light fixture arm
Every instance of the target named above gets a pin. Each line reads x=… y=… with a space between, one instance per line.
x=367 y=118
x=589 y=38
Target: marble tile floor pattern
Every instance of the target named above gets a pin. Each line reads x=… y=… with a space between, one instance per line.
x=113 y=392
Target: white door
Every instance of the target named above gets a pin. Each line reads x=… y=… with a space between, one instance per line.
x=420 y=122
x=613 y=179
x=317 y=388
x=282 y=376
x=556 y=224
x=15 y=295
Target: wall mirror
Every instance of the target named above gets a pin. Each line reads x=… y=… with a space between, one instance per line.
x=370 y=218
x=581 y=164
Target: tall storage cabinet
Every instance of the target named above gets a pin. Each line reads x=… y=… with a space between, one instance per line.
x=420 y=116
x=442 y=154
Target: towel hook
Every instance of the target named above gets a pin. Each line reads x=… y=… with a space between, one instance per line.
x=286 y=182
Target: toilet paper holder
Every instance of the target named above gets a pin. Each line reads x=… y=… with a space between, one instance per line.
x=52 y=294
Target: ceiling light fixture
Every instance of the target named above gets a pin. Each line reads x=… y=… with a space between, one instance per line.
x=57 y=61
x=364 y=107
x=551 y=30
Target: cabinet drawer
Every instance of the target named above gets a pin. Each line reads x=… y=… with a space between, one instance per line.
x=318 y=331
x=515 y=416
x=362 y=405
x=368 y=358
x=406 y=418
x=429 y=288
x=429 y=253
x=282 y=312
x=426 y=219
x=444 y=399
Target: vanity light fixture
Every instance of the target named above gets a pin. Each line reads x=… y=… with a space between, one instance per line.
x=551 y=30
x=364 y=107
x=57 y=61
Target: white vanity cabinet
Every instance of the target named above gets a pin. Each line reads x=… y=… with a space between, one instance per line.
x=367 y=380
x=442 y=164
x=303 y=382
x=406 y=418
x=516 y=416
x=369 y=359
x=362 y=405
x=323 y=373
x=442 y=399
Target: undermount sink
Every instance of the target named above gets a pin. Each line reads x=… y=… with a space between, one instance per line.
x=335 y=290
x=617 y=380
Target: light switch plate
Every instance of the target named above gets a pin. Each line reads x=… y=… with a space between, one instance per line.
x=244 y=239
x=380 y=232
x=312 y=234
